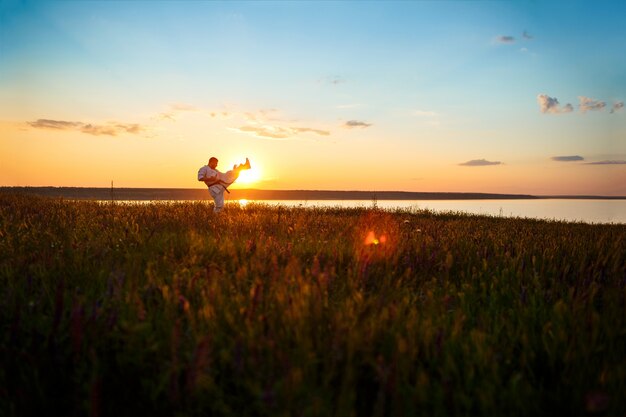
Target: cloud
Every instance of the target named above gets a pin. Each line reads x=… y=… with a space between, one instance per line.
x=617 y=106
x=356 y=123
x=333 y=80
x=348 y=106
x=587 y=104
x=174 y=110
x=109 y=129
x=505 y=39
x=267 y=131
x=54 y=124
x=527 y=35
x=279 y=132
x=614 y=162
x=480 y=163
x=570 y=158
x=260 y=115
x=551 y=105
x=222 y=113
x=307 y=129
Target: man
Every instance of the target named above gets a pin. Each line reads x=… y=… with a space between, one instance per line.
x=218 y=182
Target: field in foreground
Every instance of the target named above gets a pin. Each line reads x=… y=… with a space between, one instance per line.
x=167 y=309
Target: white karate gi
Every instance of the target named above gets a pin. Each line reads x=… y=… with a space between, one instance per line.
x=217 y=190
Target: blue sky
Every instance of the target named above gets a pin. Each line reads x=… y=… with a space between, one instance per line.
x=325 y=95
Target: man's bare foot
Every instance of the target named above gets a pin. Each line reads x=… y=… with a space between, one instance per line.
x=246 y=165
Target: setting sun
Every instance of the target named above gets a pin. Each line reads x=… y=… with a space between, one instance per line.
x=250 y=176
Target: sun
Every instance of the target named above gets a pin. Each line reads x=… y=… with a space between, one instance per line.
x=249 y=176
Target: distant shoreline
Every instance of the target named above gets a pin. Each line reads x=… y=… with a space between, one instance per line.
x=117 y=194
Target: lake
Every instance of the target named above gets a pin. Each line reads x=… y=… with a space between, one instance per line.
x=573 y=210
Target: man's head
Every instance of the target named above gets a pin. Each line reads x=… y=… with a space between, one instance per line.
x=213 y=162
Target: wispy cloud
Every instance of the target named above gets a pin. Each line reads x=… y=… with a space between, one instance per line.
x=109 y=129
x=505 y=39
x=587 y=104
x=480 y=163
x=332 y=80
x=613 y=162
x=508 y=39
x=551 y=105
x=308 y=129
x=261 y=115
x=348 y=106
x=221 y=113
x=427 y=117
x=270 y=132
x=54 y=124
x=176 y=109
x=617 y=106
x=350 y=124
x=278 y=132
x=569 y=158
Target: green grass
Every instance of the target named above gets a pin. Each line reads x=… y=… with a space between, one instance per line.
x=167 y=309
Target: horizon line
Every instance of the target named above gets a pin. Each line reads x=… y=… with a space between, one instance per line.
x=314 y=191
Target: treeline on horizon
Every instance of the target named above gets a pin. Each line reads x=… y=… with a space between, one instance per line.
x=152 y=309
x=94 y=193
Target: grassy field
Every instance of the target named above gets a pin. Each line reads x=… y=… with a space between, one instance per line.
x=166 y=309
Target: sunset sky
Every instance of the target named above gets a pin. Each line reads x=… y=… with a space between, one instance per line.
x=503 y=97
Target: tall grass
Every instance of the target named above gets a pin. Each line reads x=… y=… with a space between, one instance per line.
x=167 y=309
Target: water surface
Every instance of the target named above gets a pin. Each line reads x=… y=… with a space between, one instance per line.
x=574 y=210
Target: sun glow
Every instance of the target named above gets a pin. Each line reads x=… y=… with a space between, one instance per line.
x=249 y=176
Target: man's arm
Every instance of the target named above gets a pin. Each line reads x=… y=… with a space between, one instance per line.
x=204 y=177
x=208 y=179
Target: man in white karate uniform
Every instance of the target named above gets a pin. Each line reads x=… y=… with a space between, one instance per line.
x=218 y=182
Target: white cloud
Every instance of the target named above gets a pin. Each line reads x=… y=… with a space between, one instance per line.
x=551 y=105
x=587 y=104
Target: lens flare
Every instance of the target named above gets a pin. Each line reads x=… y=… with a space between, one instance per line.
x=371 y=239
